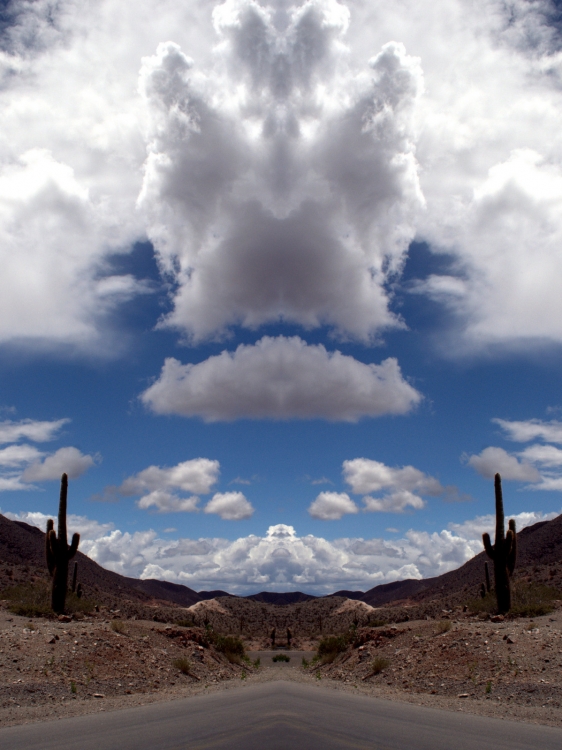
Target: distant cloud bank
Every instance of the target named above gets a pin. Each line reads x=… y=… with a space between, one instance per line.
x=281 y=560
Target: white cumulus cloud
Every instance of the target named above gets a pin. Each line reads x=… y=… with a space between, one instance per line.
x=230 y=506
x=281 y=378
x=66 y=460
x=402 y=486
x=195 y=475
x=280 y=559
x=30 y=429
x=496 y=460
x=531 y=429
x=331 y=506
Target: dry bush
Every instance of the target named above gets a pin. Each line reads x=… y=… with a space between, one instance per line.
x=443 y=627
x=378 y=664
x=118 y=626
x=183 y=665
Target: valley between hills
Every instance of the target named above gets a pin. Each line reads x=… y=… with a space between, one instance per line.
x=129 y=642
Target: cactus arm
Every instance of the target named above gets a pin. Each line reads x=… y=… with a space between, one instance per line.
x=512 y=554
x=48 y=550
x=73 y=549
x=488 y=546
x=54 y=546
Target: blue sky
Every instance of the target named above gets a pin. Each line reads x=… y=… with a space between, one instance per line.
x=280 y=283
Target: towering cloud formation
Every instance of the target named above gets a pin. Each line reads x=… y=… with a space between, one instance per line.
x=282 y=172
x=280 y=185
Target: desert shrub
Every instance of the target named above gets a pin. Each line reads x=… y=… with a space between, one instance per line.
x=78 y=605
x=379 y=664
x=281 y=657
x=229 y=645
x=533 y=599
x=443 y=626
x=29 y=599
x=183 y=665
x=184 y=623
x=305 y=663
x=118 y=626
x=376 y=623
x=527 y=600
x=257 y=662
x=329 y=647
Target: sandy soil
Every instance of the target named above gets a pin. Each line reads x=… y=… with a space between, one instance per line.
x=509 y=669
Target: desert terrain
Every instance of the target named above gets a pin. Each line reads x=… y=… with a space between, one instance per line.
x=135 y=642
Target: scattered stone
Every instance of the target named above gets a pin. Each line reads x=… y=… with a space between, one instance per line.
x=65 y=618
x=99 y=695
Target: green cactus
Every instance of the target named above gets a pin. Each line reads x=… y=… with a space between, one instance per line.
x=59 y=552
x=503 y=552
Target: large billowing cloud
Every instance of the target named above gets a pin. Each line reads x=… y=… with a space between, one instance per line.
x=280 y=157
x=280 y=560
x=283 y=184
x=281 y=378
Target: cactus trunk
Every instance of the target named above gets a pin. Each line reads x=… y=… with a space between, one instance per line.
x=502 y=553
x=59 y=552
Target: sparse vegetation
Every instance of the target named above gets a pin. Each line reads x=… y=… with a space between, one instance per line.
x=229 y=645
x=376 y=623
x=379 y=664
x=305 y=663
x=528 y=600
x=488 y=687
x=29 y=599
x=443 y=626
x=281 y=657
x=257 y=663
x=183 y=664
x=331 y=646
x=184 y=623
x=73 y=687
x=118 y=626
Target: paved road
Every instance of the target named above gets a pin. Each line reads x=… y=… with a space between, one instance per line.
x=280 y=716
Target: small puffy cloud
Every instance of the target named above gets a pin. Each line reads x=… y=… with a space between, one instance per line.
x=66 y=460
x=547 y=455
x=30 y=429
x=166 y=502
x=495 y=460
x=402 y=486
x=230 y=506
x=281 y=378
x=16 y=455
x=365 y=475
x=331 y=506
x=395 y=502
x=196 y=475
x=531 y=429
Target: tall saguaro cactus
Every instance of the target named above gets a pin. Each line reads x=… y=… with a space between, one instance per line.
x=59 y=552
x=503 y=552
